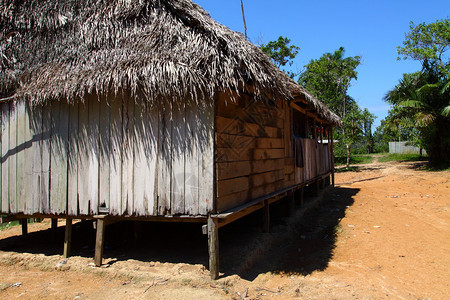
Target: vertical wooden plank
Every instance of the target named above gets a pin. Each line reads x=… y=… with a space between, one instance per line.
x=83 y=158
x=94 y=116
x=67 y=238
x=54 y=224
x=30 y=177
x=127 y=167
x=22 y=165
x=5 y=157
x=115 y=158
x=58 y=159
x=72 y=188
x=24 y=223
x=266 y=216
x=191 y=159
x=206 y=160
x=45 y=159
x=151 y=137
x=146 y=134
x=178 y=157
x=99 y=241
x=105 y=153
x=332 y=155
x=213 y=247
x=291 y=202
x=164 y=157
x=12 y=166
x=35 y=177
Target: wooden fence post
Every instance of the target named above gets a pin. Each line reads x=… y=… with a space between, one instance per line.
x=266 y=216
x=213 y=245
x=99 y=241
x=24 y=223
x=67 y=238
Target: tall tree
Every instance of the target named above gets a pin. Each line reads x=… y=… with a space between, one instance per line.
x=425 y=95
x=281 y=53
x=329 y=78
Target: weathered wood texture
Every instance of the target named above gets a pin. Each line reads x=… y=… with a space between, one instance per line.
x=251 y=150
x=256 y=154
x=107 y=154
x=316 y=160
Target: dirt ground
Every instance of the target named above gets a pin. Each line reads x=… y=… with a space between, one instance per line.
x=382 y=232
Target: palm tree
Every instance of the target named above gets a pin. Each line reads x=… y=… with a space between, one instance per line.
x=425 y=101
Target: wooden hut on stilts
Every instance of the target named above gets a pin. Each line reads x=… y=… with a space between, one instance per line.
x=147 y=110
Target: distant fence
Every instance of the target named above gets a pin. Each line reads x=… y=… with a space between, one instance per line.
x=403 y=148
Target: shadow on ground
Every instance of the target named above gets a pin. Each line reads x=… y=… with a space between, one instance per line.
x=300 y=244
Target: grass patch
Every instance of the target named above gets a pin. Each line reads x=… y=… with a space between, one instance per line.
x=9 y=224
x=354 y=159
x=401 y=157
x=351 y=169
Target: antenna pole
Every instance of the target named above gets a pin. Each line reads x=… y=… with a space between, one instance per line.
x=243 y=18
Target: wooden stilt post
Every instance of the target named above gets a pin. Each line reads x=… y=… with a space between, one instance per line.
x=24 y=223
x=54 y=228
x=213 y=245
x=291 y=202
x=266 y=216
x=54 y=224
x=318 y=185
x=137 y=231
x=67 y=238
x=100 y=238
x=302 y=195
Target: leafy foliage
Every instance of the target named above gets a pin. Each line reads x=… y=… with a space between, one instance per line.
x=422 y=100
x=428 y=43
x=329 y=78
x=281 y=53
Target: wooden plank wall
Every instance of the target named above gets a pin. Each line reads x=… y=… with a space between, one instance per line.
x=111 y=154
x=316 y=160
x=251 y=150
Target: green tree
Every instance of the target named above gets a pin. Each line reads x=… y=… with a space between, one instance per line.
x=367 y=121
x=428 y=43
x=424 y=108
x=281 y=53
x=329 y=78
x=424 y=97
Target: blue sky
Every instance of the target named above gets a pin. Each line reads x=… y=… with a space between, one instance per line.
x=372 y=29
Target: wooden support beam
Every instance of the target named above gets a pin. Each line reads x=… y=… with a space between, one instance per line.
x=67 y=238
x=137 y=230
x=24 y=223
x=99 y=241
x=54 y=227
x=54 y=224
x=301 y=193
x=291 y=202
x=266 y=216
x=213 y=247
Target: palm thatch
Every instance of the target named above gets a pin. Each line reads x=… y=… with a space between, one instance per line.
x=156 y=48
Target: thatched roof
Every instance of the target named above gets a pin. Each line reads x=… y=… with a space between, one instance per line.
x=157 y=48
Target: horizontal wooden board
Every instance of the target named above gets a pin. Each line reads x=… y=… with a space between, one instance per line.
x=233 y=154
x=230 y=186
x=224 y=140
x=261 y=166
x=269 y=143
x=249 y=110
x=239 y=127
x=228 y=170
x=257 y=180
x=267 y=154
x=232 y=200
